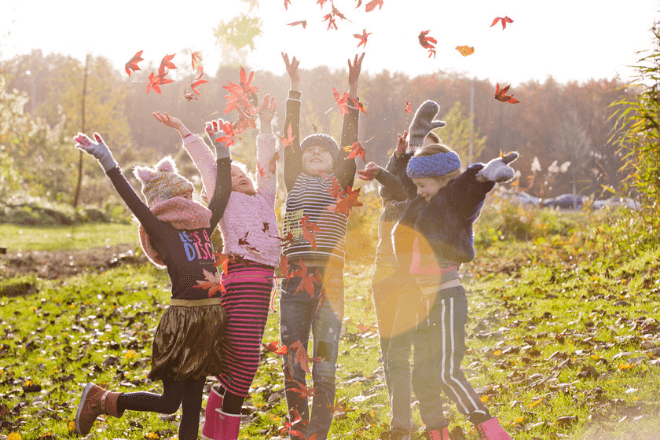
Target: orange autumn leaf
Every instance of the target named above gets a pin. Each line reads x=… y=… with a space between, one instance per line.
x=504 y=21
x=500 y=95
x=465 y=50
x=132 y=64
x=362 y=37
x=296 y=23
x=212 y=282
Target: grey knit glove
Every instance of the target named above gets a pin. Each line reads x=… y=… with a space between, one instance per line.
x=423 y=123
x=99 y=150
x=498 y=170
x=214 y=130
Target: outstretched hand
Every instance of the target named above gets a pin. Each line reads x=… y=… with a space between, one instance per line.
x=99 y=150
x=267 y=111
x=171 y=121
x=354 y=74
x=370 y=171
x=292 y=70
x=402 y=145
x=498 y=170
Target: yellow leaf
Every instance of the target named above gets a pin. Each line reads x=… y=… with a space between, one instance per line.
x=519 y=420
x=625 y=366
x=484 y=399
x=130 y=354
x=14 y=436
x=465 y=50
x=497 y=352
x=535 y=403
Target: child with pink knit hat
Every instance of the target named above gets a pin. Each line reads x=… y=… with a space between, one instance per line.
x=175 y=233
x=251 y=242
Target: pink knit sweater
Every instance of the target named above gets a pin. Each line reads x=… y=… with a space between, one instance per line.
x=249 y=224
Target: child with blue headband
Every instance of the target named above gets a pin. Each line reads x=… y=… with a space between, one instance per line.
x=433 y=238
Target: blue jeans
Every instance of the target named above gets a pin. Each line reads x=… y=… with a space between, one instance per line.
x=439 y=350
x=322 y=314
x=396 y=300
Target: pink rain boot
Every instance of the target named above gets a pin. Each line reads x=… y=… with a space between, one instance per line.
x=492 y=430
x=226 y=425
x=214 y=402
x=437 y=434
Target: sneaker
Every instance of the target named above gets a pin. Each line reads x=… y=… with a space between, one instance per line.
x=492 y=430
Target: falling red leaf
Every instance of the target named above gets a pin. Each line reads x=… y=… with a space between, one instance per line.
x=347 y=201
x=274 y=348
x=504 y=20
x=303 y=391
x=166 y=62
x=427 y=42
x=190 y=96
x=309 y=231
x=358 y=105
x=408 y=108
x=331 y=21
x=285 y=268
x=262 y=173
x=155 y=81
x=196 y=83
x=362 y=37
x=286 y=4
x=321 y=2
x=356 y=150
x=132 y=64
x=500 y=95
x=295 y=23
x=286 y=141
x=222 y=260
x=230 y=136
x=342 y=101
x=286 y=241
x=213 y=283
x=335 y=188
x=197 y=62
x=300 y=356
x=372 y=5
x=335 y=12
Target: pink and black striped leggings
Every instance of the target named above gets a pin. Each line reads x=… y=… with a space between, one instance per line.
x=246 y=302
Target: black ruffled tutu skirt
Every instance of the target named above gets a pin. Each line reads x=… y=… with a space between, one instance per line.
x=187 y=343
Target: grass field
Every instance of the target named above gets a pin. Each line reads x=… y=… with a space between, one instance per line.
x=563 y=337
x=18 y=238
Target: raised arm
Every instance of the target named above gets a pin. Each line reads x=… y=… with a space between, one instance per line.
x=102 y=153
x=345 y=169
x=292 y=153
x=266 y=144
x=197 y=149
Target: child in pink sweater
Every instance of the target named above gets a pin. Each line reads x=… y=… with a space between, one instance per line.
x=252 y=244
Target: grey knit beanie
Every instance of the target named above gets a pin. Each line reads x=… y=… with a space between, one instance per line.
x=321 y=140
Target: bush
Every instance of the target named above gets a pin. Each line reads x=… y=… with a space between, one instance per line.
x=39 y=212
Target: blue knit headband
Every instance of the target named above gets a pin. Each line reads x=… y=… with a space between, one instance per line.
x=433 y=166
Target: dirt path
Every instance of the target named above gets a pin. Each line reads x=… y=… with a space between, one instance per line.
x=58 y=264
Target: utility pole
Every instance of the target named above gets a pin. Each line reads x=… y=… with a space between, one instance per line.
x=470 y=151
x=82 y=130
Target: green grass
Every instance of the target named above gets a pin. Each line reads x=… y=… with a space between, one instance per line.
x=563 y=337
x=41 y=238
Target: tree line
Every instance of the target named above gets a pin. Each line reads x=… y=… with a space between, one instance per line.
x=562 y=131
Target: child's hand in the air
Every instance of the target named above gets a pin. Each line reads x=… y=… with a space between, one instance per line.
x=213 y=129
x=266 y=113
x=498 y=170
x=354 y=74
x=402 y=145
x=370 y=171
x=173 y=122
x=292 y=70
x=99 y=150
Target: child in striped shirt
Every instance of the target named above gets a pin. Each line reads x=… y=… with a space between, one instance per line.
x=311 y=167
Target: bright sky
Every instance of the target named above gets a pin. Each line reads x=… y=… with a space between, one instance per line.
x=567 y=39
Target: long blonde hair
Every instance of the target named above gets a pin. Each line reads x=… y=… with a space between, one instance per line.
x=433 y=149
